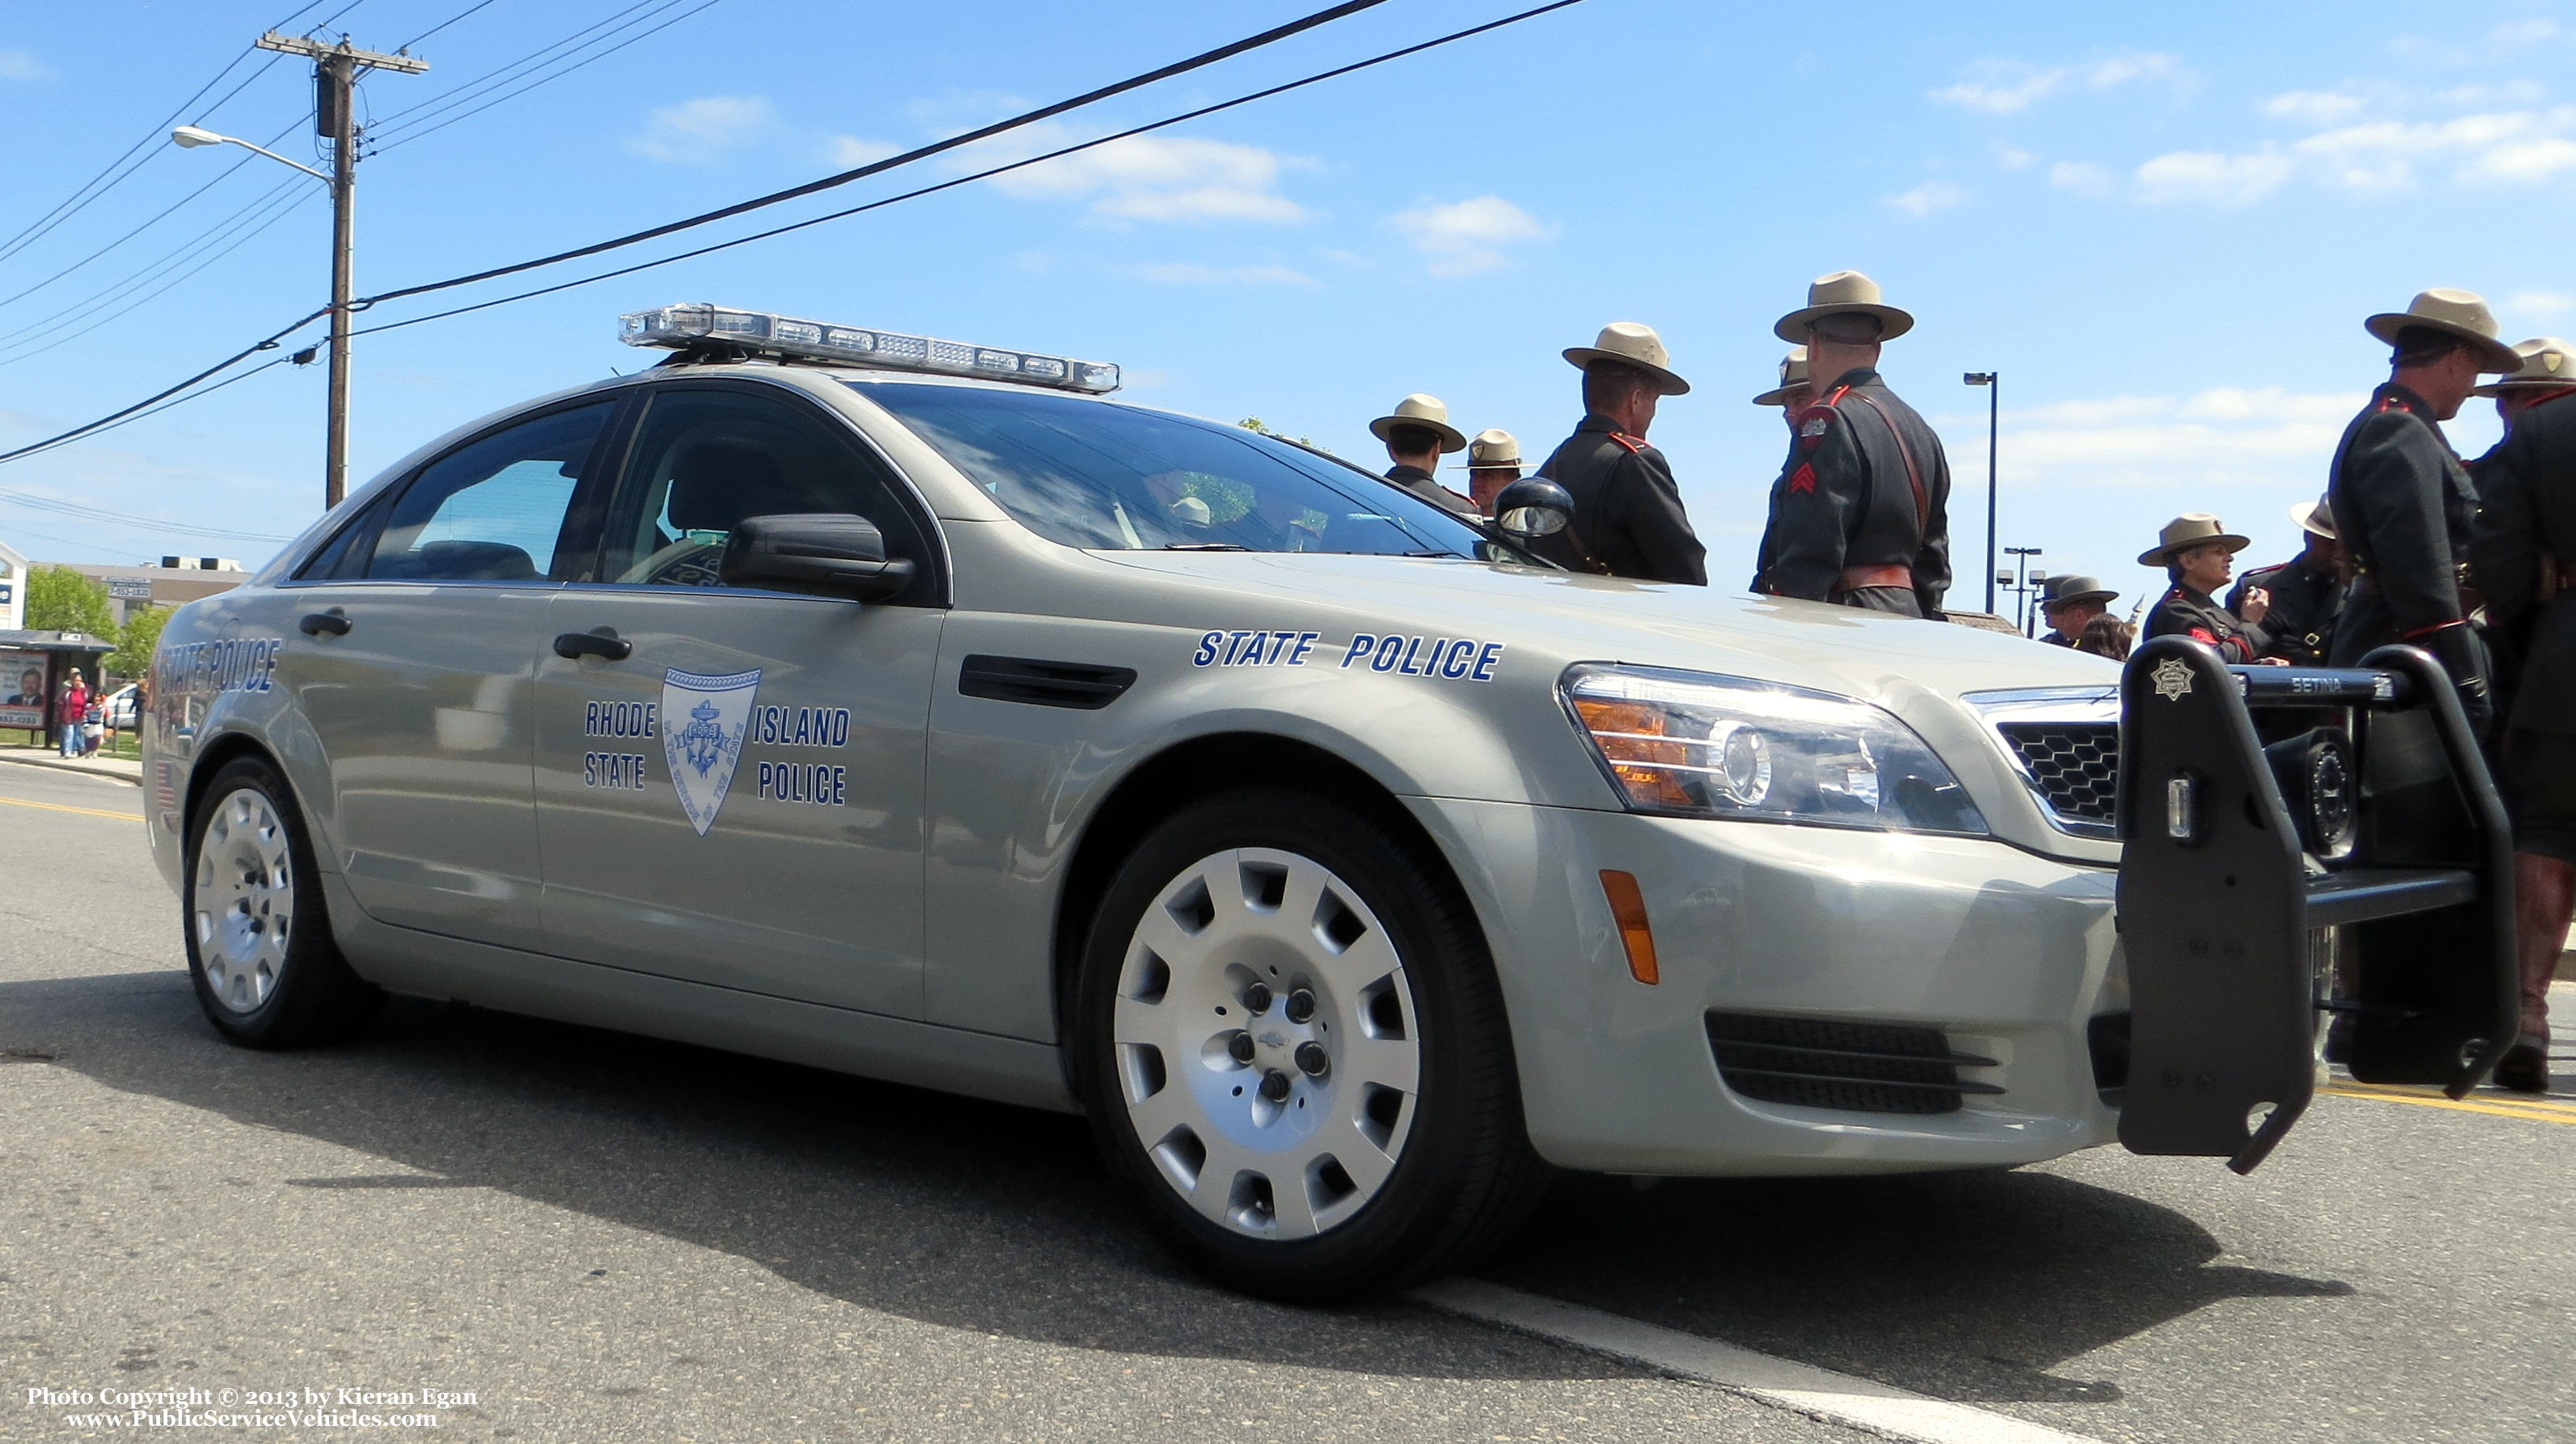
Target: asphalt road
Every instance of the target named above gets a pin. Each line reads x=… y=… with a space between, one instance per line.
x=608 y=1238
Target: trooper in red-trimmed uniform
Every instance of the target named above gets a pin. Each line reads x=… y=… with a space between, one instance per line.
x=2522 y=560
x=1860 y=515
x=2197 y=552
x=2401 y=500
x=2305 y=592
x=1628 y=517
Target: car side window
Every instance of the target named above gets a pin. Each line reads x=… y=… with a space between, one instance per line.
x=704 y=460
x=493 y=509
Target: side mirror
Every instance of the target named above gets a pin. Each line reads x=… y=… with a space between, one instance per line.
x=1533 y=507
x=832 y=554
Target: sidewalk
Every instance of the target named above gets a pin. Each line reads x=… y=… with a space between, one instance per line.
x=123 y=769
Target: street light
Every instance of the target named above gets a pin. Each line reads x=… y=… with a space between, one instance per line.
x=336 y=68
x=1993 y=382
x=2024 y=582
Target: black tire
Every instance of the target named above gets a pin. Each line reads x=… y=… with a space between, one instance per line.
x=256 y=993
x=1465 y=1177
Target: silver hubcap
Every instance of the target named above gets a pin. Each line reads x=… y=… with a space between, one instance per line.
x=243 y=906
x=1267 y=1045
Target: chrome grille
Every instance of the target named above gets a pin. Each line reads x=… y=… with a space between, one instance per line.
x=2065 y=744
x=2074 y=765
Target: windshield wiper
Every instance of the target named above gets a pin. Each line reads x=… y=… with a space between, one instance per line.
x=1453 y=556
x=1205 y=547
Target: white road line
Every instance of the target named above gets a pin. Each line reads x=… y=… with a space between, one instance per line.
x=1819 y=1393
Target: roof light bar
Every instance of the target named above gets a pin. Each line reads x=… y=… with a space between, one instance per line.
x=768 y=334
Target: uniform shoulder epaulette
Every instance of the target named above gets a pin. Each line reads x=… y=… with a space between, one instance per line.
x=1635 y=444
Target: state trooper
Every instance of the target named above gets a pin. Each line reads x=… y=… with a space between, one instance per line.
x=2070 y=601
x=1493 y=462
x=1628 y=516
x=2304 y=592
x=1417 y=434
x=2522 y=561
x=2403 y=504
x=1793 y=394
x=1860 y=513
x=2197 y=551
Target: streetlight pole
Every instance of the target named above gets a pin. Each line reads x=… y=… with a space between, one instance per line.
x=1993 y=382
x=2021 y=584
x=335 y=77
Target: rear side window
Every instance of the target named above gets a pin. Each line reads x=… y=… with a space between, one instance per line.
x=491 y=510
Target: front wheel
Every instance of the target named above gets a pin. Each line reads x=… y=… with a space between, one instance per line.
x=267 y=972
x=1292 y=1047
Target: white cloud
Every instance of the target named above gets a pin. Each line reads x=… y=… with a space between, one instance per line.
x=1147 y=177
x=2082 y=177
x=2015 y=158
x=2222 y=438
x=1469 y=236
x=695 y=132
x=849 y=152
x=1926 y=198
x=2206 y=176
x=2005 y=86
x=2312 y=107
x=2541 y=303
x=23 y=65
x=1184 y=273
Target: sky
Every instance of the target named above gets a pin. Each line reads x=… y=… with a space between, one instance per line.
x=2163 y=227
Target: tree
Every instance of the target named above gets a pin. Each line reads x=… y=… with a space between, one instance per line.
x=135 y=641
x=62 y=600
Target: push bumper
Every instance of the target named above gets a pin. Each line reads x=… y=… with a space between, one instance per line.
x=1820 y=938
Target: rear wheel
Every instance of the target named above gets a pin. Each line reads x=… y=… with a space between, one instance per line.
x=260 y=952
x=1292 y=1046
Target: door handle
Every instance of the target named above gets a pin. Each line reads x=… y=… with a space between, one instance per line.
x=572 y=645
x=333 y=621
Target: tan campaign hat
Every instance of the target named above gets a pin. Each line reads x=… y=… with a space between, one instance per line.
x=1494 y=448
x=1423 y=411
x=1793 y=375
x=1638 y=346
x=2191 y=529
x=2546 y=361
x=1835 y=294
x=2460 y=313
x=2316 y=516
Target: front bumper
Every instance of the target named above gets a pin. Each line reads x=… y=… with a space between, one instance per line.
x=2008 y=953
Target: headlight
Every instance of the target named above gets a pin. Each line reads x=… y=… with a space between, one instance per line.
x=1703 y=746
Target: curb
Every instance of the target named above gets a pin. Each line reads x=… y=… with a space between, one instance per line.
x=114 y=771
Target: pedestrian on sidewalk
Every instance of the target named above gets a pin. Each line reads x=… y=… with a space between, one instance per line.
x=74 y=713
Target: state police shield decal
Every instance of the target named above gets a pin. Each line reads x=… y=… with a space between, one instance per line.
x=703 y=721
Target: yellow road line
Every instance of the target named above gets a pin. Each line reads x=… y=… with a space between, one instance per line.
x=2536 y=1112
x=59 y=807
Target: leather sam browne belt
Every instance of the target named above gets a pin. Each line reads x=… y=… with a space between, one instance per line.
x=1891 y=575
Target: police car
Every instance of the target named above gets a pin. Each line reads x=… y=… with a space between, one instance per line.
x=908 y=708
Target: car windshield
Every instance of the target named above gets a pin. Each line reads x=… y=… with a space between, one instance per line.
x=1115 y=478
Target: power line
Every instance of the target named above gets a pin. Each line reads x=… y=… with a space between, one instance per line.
x=1222 y=52
x=513 y=70
x=136 y=520
x=1186 y=116
x=240 y=235
x=151 y=404
x=406 y=137
x=441 y=25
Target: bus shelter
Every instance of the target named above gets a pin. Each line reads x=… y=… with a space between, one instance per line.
x=33 y=667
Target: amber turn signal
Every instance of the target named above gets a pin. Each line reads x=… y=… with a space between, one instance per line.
x=1628 y=909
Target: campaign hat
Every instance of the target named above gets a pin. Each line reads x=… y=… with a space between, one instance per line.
x=2458 y=313
x=1494 y=447
x=1426 y=412
x=1635 y=344
x=2317 y=517
x=2074 y=587
x=1840 y=293
x=2191 y=529
x=1793 y=375
x=2546 y=361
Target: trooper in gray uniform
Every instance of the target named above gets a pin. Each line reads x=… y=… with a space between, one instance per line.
x=2402 y=502
x=2522 y=560
x=1628 y=517
x=1860 y=513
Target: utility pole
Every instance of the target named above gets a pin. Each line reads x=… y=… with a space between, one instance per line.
x=335 y=78
x=1993 y=382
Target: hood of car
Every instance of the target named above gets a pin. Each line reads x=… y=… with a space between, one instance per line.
x=1844 y=650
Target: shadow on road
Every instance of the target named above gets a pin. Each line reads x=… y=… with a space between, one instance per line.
x=1000 y=1220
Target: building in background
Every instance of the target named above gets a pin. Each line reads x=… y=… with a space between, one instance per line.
x=13 y=588
x=175 y=581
